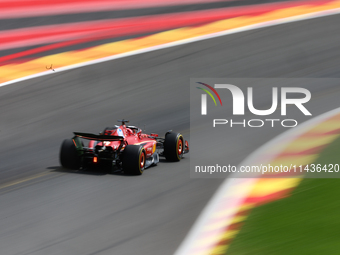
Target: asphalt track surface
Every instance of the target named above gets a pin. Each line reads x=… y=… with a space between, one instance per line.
x=65 y=212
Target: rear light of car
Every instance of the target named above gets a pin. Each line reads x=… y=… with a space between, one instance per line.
x=95 y=159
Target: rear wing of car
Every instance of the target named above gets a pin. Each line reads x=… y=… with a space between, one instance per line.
x=106 y=138
x=103 y=138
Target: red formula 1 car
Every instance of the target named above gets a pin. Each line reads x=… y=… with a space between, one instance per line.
x=123 y=148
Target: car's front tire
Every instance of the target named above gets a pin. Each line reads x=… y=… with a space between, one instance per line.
x=133 y=159
x=68 y=155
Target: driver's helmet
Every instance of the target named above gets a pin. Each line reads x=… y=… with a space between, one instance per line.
x=129 y=131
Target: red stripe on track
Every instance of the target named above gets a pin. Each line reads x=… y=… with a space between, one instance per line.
x=123 y=27
x=15 y=9
x=4 y=60
x=310 y=151
x=269 y=198
x=64 y=35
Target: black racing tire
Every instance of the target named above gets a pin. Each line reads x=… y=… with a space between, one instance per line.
x=68 y=155
x=133 y=159
x=173 y=146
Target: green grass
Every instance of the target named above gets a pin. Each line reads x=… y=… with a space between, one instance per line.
x=307 y=222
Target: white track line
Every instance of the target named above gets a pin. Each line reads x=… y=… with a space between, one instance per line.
x=181 y=42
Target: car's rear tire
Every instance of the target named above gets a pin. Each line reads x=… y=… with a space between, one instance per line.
x=68 y=155
x=173 y=146
x=133 y=159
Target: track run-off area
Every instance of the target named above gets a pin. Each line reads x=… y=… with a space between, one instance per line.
x=48 y=210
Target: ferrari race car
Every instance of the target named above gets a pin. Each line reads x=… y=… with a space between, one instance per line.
x=121 y=148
